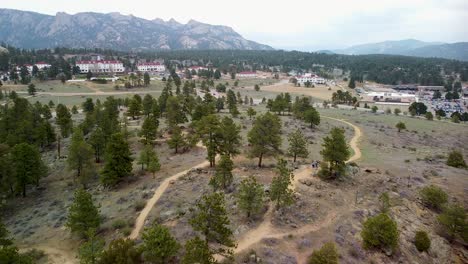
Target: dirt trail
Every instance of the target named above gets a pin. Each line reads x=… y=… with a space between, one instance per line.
x=266 y=229
x=54 y=255
x=140 y=221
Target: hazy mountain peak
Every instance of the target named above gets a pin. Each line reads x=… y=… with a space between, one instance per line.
x=115 y=31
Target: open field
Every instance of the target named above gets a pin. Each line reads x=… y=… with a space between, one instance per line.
x=400 y=163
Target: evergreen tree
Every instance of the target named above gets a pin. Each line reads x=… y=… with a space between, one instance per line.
x=327 y=254
x=297 y=145
x=118 y=161
x=455 y=159
x=159 y=246
x=146 y=79
x=335 y=152
x=251 y=112
x=210 y=218
x=174 y=113
x=400 y=126
x=177 y=140
x=149 y=129
x=148 y=101
x=380 y=231
x=28 y=166
x=97 y=141
x=88 y=105
x=90 y=251
x=208 y=131
x=149 y=158
x=198 y=251
x=352 y=83
x=280 y=191
x=454 y=220
x=223 y=175
x=32 y=89
x=80 y=157
x=229 y=137
x=312 y=116
x=251 y=196
x=134 y=109
x=64 y=120
x=121 y=251
x=83 y=215
x=265 y=136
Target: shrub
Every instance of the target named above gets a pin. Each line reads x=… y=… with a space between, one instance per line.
x=433 y=196
x=119 y=224
x=381 y=232
x=455 y=159
x=139 y=205
x=325 y=255
x=453 y=219
x=422 y=241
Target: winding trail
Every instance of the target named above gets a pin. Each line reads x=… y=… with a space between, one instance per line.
x=140 y=221
x=266 y=229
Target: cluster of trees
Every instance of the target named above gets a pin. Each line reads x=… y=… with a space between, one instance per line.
x=340 y=97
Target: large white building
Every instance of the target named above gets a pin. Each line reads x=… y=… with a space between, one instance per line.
x=100 y=66
x=151 y=67
x=40 y=66
x=312 y=78
x=246 y=74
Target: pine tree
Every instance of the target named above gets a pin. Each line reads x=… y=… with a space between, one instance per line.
x=146 y=79
x=159 y=246
x=174 y=113
x=134 y=109
x=210 y=218
x=121 y=251
x=251 y=196
x=335 y=152
x=5 y=239
x=297 y=145
x=223 y=175
x=149 y=129
x=177 y=140
x=32 y=89
x=91 y=250
x=265 y=136
x=312 y=116
x=148 y=101
x=149 y=158
x=251 y=112
x=400 y=126
x=327 y=254
x=380 y=231
x=280 y=191
x=118 y=161
x=64 y=120
x=28 y=166
x=80 y=157
x=229 y=137
x=198 y=251
x=352 y=83
x=97 y=141
x=83 y=214
x=208 y=131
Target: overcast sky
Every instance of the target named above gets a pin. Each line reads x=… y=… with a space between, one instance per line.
x=303 y=25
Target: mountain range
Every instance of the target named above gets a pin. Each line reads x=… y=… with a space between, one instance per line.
x=115 y=31
x=410 y=47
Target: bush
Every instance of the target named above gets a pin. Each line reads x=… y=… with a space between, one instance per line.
x=139 y=205
x=380 y=232
x=453 y=219
x=422 y=241
x=455 y=159
x=433 y=196
x=325 y=255
x=119 y=224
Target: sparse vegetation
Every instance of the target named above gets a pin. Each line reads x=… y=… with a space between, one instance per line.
x=422 y=241
x=381 y=232
x=434 y=197
x=327 y=254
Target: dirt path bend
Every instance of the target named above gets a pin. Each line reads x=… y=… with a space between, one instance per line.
x=54 y=255
x=140 y=221
x=266 y=229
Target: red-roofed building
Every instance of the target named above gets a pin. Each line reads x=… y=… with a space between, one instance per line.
x=246 y=74
x=151 y=67
x=100 y=66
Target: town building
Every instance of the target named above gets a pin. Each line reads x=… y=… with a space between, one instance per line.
x=151 y=67
x=311 y=78
x=246 y=74
x=100 y=66
x=40 y=66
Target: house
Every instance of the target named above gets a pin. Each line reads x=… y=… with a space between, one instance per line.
x=151 y=67
x=42 y=65
x=197 y=68
x=100 y=66
x=246 y=74
x=311 y=78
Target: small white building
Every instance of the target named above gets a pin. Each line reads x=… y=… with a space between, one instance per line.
x=151 y=67
x=246 y=74
x=100 y=66
x=42 y=65
x=312 y=78
x=197 y=68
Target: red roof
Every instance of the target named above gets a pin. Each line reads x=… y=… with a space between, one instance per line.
x=149 y=64
x=98 y=61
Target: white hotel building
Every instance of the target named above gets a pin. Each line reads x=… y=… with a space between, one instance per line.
x=151 y=67
x=312 y=78
x=100 y=66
